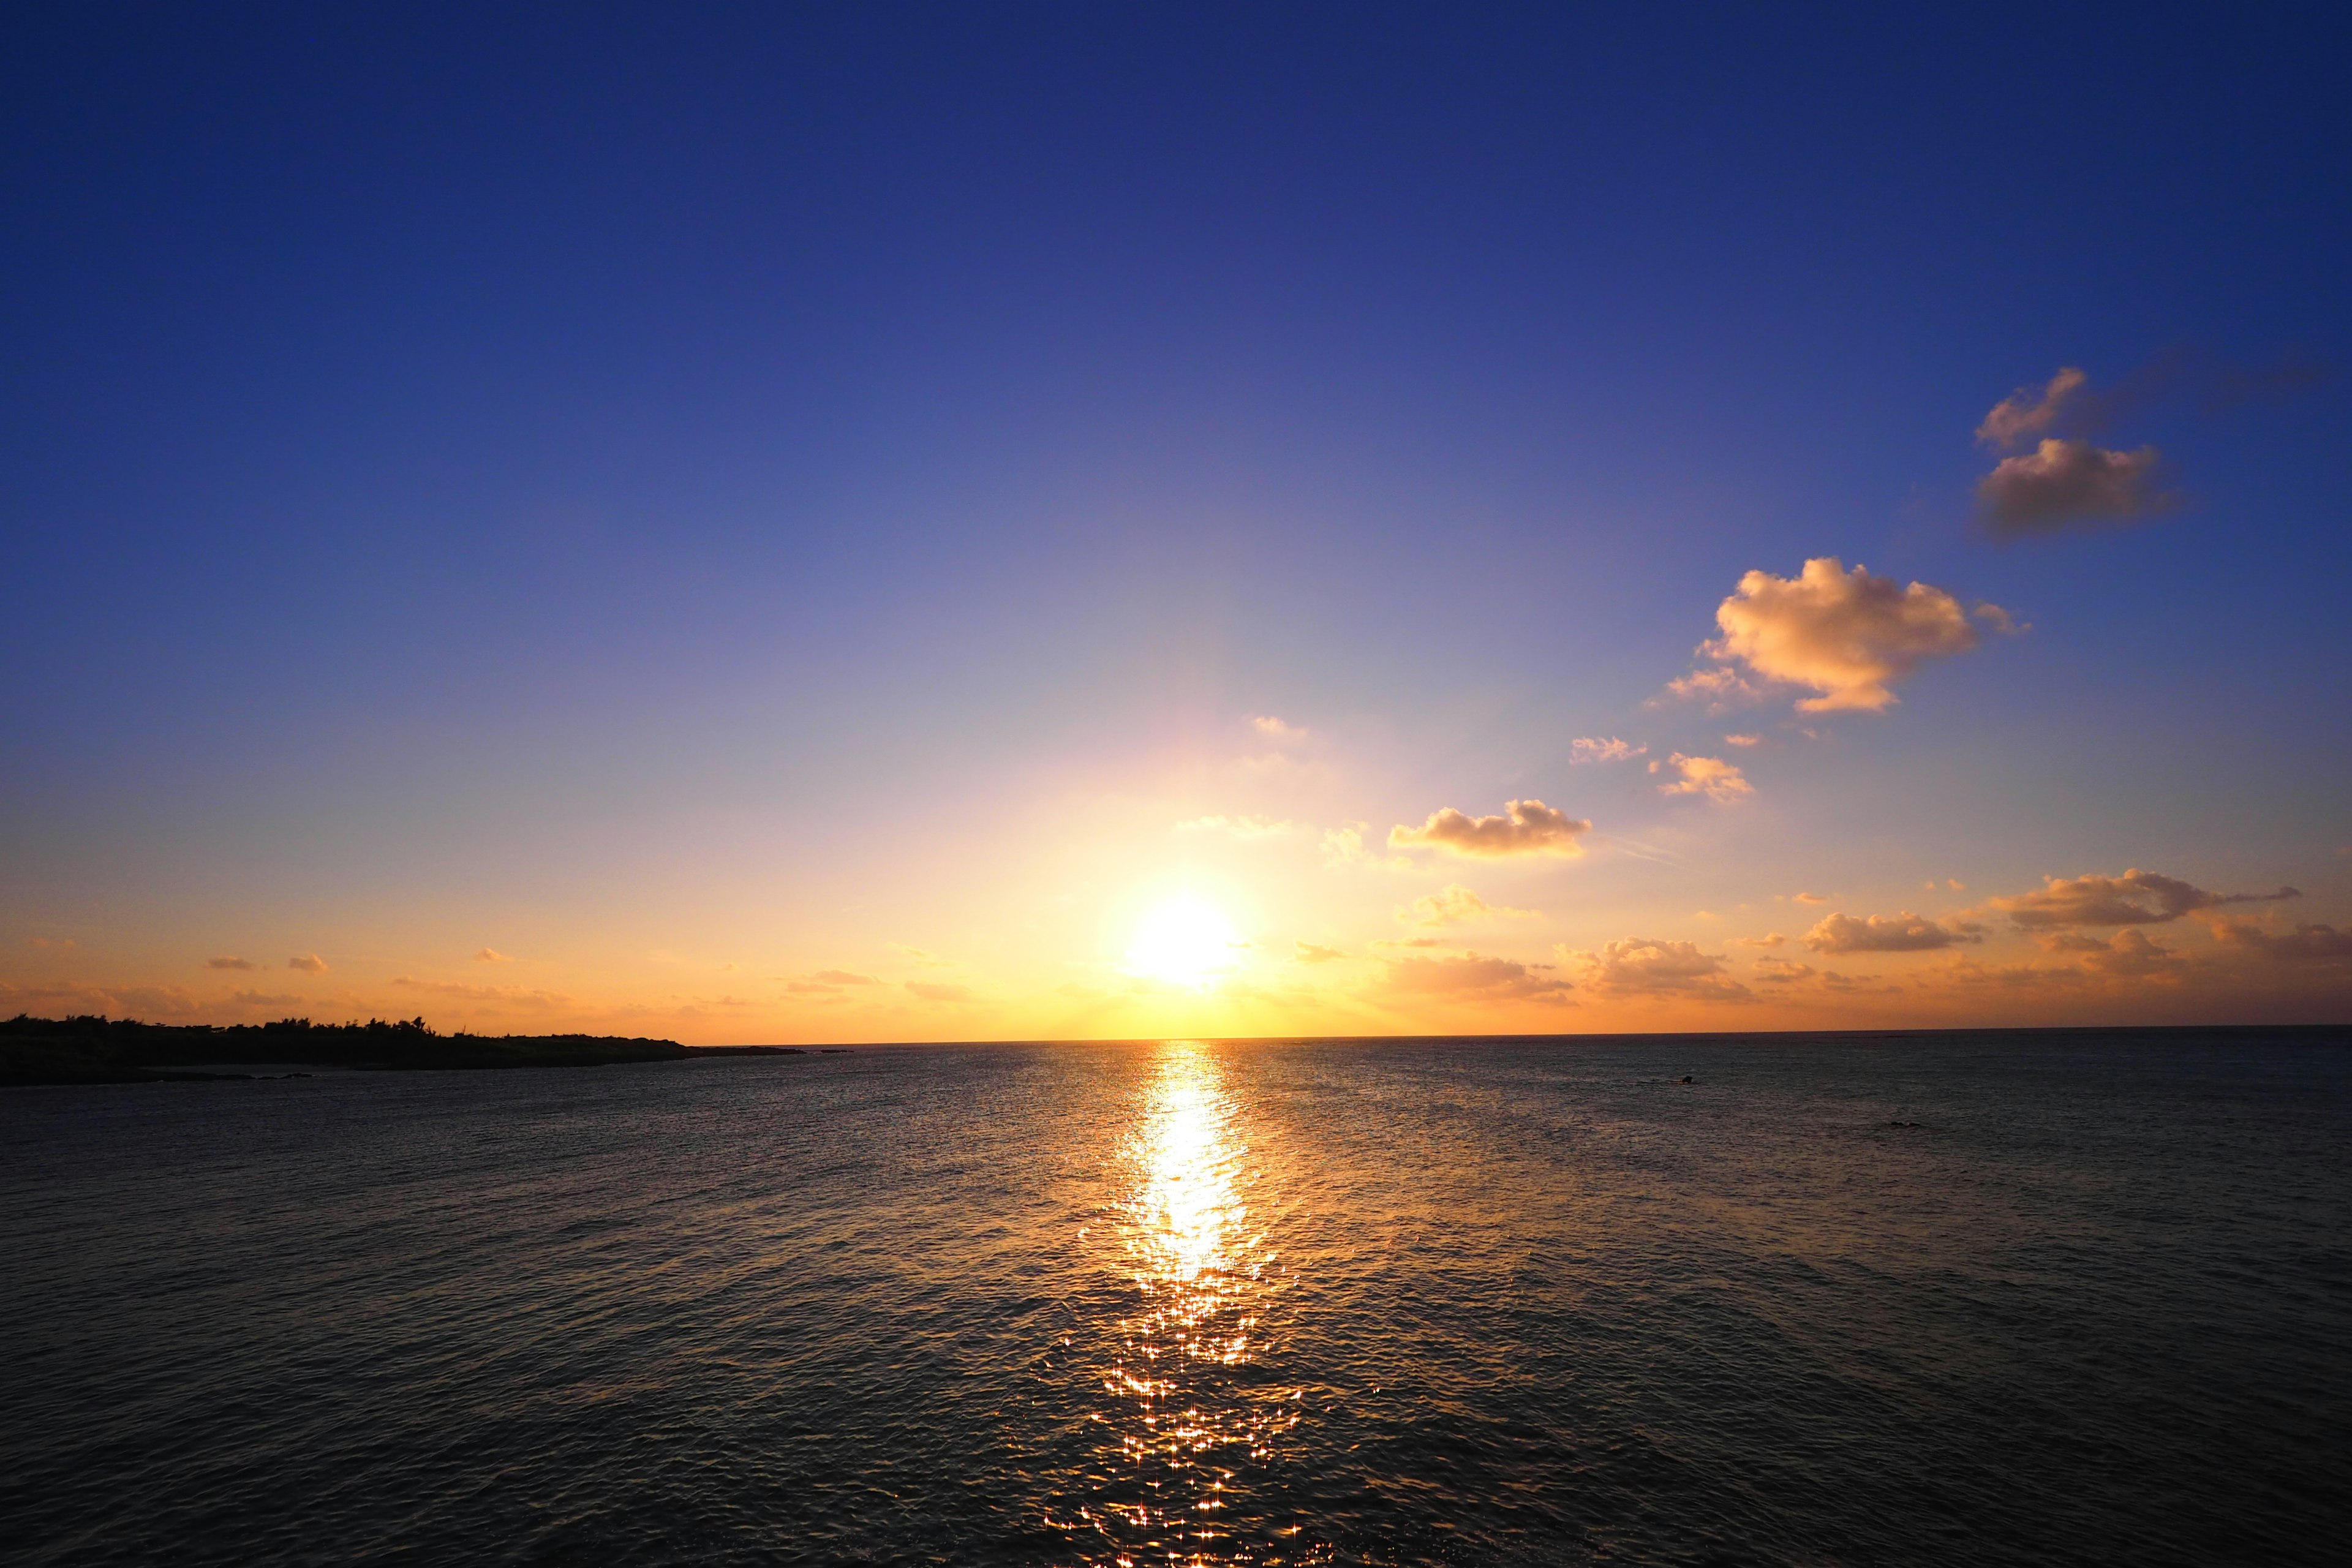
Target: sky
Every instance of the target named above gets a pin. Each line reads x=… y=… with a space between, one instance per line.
x=768 y=524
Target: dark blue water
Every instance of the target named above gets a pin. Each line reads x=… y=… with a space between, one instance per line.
x=1415 y=1302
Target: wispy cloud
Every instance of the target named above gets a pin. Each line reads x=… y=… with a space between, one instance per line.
x=1597 y=749
x=1277 y=730
x=1472 y=976
x=230 y=961
x=1311 y=953
x=1455 y=905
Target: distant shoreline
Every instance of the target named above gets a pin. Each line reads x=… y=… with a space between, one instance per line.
x=97 y=1050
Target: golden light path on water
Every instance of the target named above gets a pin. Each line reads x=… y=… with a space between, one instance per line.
x=1193 y=1420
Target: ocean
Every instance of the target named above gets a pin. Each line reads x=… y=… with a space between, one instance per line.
x=1939 y=1298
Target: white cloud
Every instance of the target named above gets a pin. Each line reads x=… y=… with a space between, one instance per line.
x=1905 y=932
x=1594 y=749
x=1639 y=965
x=1847 y=635
x=1527 y=828
x=1713 y=777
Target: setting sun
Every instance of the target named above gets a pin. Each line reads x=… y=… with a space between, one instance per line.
x=1184 y=942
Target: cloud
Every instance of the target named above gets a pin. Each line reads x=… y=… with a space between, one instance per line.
x=1780 y=971
x=1722 y=689
x=1309 y=953
x=230 y=961
x=2130 y=955
x=2305 y=943
x=264 y=999
x=1455 y=905
x=1594 y=749
x=1713 y=777
x=2065 y=481
x=923 y=956
x=309 y=963
x=1847 y=635
x=931 y=993
x=2026 y=415
x=1810 y=897
x=2136 y=898
x=843 y=978
x=492 y=955
x=512 y=996
x=1527 y=828
x=1645 y=966
x=1775 y=940
x=1905 y=932
x=1743 y=740
x=1274 y=729
x=1471 y=975
x=1239 y=827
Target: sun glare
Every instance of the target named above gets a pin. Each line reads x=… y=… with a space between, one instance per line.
x=1183 y=943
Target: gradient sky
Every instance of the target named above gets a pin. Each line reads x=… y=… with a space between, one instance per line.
x=752 y=525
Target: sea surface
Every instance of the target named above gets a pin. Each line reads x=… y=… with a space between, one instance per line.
x=1957 y=1299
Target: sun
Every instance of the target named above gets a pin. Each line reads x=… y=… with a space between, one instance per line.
x=1184 y=942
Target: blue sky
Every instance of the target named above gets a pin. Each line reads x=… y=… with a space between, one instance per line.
x=686 y=499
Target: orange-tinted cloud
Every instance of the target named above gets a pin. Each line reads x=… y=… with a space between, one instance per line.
x=1847 y=635
x=2026 y=415
x=2305 y=944
x=1455 y=905
x=308 y=963
x=1472 y=976
x=2136 y=898
x=1905 y=932
x=1719 y=781
x=1309 y=953
x=229 y=963
x=1645 y=966
x=1527 y=827
x=492 y=955
x=1597 y=749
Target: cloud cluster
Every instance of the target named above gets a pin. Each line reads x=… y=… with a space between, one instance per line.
x=1847 y=635
x=1596 y=749
x=1527 y=827
x=1905 y=932
x=1719 y=781
x=2062 y=479
x=2305 y=944
x=1645 y=966
x=2136 y=898
x=1472 y=977
x=1455 y=905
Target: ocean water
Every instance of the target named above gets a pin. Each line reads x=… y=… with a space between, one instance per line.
x=1434 y=1302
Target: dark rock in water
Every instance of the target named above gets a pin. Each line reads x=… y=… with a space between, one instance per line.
x=1684 y=1079
x=1902 y=1123
x=834 y=1052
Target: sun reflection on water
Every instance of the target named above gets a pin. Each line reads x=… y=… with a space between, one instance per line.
x=1192 y=1413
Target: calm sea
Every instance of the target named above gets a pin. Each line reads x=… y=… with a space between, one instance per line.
x=1949 y=1300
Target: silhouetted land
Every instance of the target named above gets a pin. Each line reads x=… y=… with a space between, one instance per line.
x=90 y=1049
